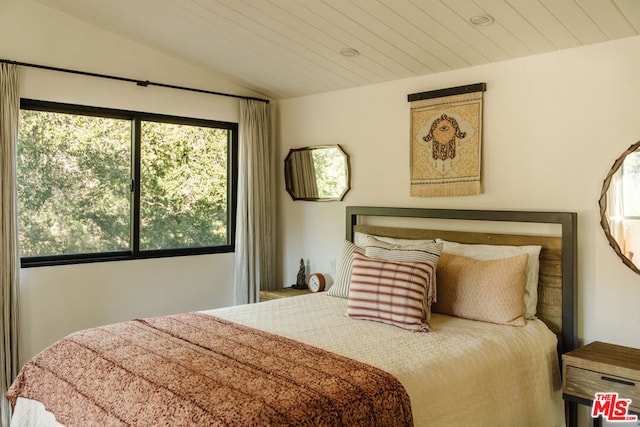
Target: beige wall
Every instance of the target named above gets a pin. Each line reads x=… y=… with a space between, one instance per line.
x=58 y=300
x=553 y=126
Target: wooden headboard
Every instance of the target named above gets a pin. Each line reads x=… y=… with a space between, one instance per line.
x=558 y=258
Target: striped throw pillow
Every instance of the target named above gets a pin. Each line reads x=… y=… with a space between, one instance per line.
x=423 y=251
x=340 y=288
x=389 y=291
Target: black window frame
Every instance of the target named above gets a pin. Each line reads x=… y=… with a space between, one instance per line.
x=136 y=119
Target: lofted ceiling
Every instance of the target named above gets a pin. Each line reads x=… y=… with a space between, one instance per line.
x=290 y=48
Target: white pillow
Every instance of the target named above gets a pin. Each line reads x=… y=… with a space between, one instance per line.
x=489 y=252
x=360 y=239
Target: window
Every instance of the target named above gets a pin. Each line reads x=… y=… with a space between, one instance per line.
x=97 y=184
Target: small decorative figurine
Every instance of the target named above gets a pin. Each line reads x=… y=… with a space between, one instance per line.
x=301 y=278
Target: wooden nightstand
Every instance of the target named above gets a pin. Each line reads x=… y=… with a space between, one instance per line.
x=282 y=293
x=600 y=368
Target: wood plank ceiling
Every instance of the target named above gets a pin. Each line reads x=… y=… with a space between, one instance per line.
x=291 y=48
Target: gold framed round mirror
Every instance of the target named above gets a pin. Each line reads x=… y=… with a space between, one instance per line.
x=620 y=207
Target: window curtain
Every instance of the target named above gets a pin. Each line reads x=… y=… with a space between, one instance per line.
x=9 y=255
x=615 y=210
x=303 y=171
x=255 y=222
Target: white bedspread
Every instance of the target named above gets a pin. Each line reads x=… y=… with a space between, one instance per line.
x=462 y=373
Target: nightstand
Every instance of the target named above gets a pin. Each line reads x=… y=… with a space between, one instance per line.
x=602 y=368
x=282 y=293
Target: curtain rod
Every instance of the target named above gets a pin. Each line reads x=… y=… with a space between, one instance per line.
x=143 y=83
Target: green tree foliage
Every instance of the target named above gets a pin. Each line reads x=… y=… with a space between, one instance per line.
x=184 y=186
x=330 y=171
x=74 y=176
x=73 y=183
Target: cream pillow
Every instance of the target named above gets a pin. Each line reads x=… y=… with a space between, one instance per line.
x=491 y=290
x=485 y=252
x=360 y=239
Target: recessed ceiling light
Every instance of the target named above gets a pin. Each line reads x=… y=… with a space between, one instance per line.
x=481 y=20
x=349 y=52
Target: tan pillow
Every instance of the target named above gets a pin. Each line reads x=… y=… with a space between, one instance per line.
x=487 y=290
x=477 y=251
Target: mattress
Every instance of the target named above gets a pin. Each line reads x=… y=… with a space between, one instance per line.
x=462 y=372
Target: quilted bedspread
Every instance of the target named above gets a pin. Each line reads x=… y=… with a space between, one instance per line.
x=462 y=373
x=196 y=369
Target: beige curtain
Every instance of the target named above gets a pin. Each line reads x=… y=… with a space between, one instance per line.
x=9 y=256
x=615 y=210
x=303 y=173
x=255 y=221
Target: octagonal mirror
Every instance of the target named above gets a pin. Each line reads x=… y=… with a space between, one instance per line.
x=318 y=173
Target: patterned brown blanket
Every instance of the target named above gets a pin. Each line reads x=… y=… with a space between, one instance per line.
x=194 y=369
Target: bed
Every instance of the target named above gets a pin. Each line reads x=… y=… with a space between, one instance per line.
x=333 y=362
